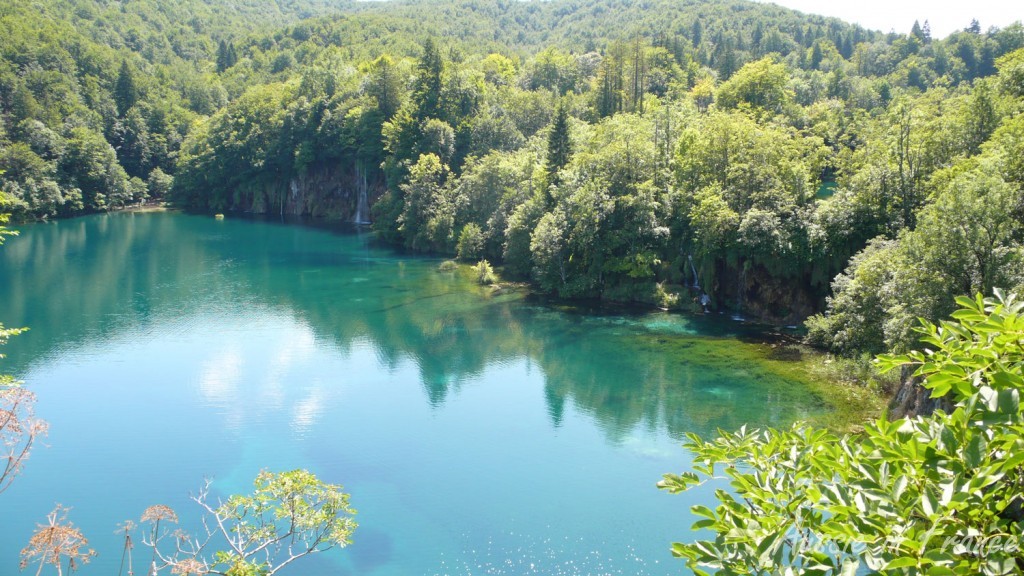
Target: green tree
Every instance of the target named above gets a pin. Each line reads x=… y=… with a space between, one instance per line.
x=489 y=190
x=761 y=85
x=522 y=222
x=967 y=240
x=159 y=184
x=131 y=140
x=126 y=91
x=437 y=137
x=553 y=69
x=493 y=130
x=471 y=242
x=226 y=56
x=90 y=165
x=609 y=89
x=549 y=246
x=982 y=116
x=426 y=220
x=858 y=308
x=1011 y=73
x=385 y=86
x=559 y=144
x=222 y=56
x=427 y=86
x=938 y=494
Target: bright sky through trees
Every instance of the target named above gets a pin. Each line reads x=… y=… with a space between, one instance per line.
x=944 y=16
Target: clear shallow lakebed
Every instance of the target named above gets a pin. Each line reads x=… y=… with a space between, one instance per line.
x=478 y=432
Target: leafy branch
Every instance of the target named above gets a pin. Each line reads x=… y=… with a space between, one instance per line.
x=925 y=495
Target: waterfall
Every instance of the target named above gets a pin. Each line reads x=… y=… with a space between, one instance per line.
x=293 y=187
x=741 y=284
x=362 y=215
x=696 y=285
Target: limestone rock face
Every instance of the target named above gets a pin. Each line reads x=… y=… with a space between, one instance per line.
x=911 y=399
x=324 y=192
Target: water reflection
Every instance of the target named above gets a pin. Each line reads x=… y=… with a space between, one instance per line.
x=477 y=430
x=92 y=279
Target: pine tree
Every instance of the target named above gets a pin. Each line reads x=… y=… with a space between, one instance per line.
x=126 y=93
x=427 y=88
x=226 y=56
x=385 y=85
x=696 y=33
x=611 y=83
x=916 y=31
x=559 y=146
x=816 y=56
x=638 y=77
x=222 y=56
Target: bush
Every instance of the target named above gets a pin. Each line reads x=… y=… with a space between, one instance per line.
x=926 y=495
x=471 y=242
x=484 y=273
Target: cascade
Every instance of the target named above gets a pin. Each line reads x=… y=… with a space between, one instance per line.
x=741 y=286
x=362 y=215
x=696 y=285
x=293 y=187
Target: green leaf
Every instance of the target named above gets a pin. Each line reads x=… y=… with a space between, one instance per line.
x=901 y=562
x=704 y=511
x=680 y=550
x=929 y=503
x=1009 y=401
x=975 y=451
x=701 y=524
x=850 y=568
x=899 y=486
x=1013 y=461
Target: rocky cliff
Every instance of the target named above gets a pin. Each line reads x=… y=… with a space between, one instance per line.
x=333 y=192
x=911 y=399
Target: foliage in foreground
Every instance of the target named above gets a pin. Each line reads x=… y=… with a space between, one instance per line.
x=288 y=515
x=57 y=542
x=18 y=426
x=927 y=495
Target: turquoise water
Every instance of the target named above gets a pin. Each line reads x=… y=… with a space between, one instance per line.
x=478 y=431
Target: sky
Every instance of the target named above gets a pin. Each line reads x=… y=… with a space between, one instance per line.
x=944 y=16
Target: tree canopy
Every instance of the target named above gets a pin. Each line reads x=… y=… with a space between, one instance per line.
x=641 y=148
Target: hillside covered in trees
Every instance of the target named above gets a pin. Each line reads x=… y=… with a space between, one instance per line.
x=787 y=165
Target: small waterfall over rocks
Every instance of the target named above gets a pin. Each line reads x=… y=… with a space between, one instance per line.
x=741 y=286
x=293 y=187
x=362 y=215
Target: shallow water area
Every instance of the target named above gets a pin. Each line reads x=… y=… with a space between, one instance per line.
x=478 y=432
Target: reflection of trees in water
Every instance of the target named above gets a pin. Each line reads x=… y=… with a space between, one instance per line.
x=70 y=293
x=149 y=266
x=680 y=383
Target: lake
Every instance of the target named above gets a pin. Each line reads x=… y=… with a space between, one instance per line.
x=478 y=431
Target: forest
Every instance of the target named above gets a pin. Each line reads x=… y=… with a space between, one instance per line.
x=791 y=167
